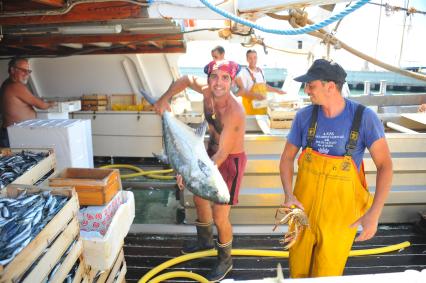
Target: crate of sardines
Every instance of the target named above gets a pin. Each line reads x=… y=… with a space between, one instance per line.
x=25 y=166
x=39 y=235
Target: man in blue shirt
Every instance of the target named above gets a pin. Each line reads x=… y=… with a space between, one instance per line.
x=333 y=134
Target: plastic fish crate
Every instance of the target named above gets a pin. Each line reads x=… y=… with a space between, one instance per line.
x=100 y=252
x=116 y=273
x=35 y=173
x=94 y=186
x=38 y=258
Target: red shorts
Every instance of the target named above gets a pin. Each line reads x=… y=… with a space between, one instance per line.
x=232 y=171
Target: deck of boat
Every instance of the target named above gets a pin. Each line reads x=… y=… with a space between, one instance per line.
x=144 y=251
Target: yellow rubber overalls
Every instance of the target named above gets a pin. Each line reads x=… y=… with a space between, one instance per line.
x=256 y=88
x=334 y=195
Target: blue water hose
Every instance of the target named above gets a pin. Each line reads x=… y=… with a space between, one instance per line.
x=303 y=30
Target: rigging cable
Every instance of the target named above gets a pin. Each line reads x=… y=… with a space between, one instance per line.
x=322 y=34
x=378 y=30
x=388 y=7
x=296 y=31
x=403 y=34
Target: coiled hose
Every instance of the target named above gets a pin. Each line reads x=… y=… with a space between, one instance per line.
x=239 y=252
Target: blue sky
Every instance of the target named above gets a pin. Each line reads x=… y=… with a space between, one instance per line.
x=369 y=29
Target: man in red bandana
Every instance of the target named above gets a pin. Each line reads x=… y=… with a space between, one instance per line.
x=226 y=119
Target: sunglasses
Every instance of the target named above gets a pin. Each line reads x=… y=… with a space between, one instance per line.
x=26 y=71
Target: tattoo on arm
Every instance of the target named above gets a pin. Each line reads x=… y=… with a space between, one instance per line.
x=236 y=129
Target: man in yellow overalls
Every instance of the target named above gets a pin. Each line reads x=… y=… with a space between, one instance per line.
x=330 y=185
x=252 y=85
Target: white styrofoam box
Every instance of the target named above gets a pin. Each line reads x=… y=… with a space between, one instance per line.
x=60 y=110
x=70 y=139
x=100 y=252
x=51 y=115
x=66 y=106
x=99 y=217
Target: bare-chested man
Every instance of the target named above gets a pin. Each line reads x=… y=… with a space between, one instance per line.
x=16 y=101
x=226 y=119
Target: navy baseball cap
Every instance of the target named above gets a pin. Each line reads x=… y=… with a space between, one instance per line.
x=323 y=70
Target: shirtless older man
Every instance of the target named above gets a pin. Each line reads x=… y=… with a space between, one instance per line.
x=226 y=148
x=16 y=101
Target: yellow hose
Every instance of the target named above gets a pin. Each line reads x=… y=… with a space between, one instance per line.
x=139 y=172
x=179 y=274
x=239 y=252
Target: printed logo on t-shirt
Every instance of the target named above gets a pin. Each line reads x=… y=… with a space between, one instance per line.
x=326 y=141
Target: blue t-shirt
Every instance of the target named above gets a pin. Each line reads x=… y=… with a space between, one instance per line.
x=332 y=134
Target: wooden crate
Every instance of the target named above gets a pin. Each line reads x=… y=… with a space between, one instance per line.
x=35 y=173
x=94 y=97
x=116 y=273
x=280 y=124
x=56 y=237
x=280 y=117
x=94 y=108
x=126 y=99
x=94 y=102
x=94 y=186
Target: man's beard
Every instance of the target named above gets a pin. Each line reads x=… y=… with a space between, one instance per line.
x=24 y=81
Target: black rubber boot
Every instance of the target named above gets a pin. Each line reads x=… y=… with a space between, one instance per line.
x=223 y=264
x=420 y=226
x=204 y=239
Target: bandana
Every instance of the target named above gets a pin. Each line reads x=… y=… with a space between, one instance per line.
x=230 y=67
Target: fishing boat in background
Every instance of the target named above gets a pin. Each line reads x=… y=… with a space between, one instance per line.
x=106 y=51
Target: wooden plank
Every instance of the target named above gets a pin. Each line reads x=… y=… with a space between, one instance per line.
x=36 y=247
x=90 y=50
x=417 y=117
x=119 y=262
x=82 y=12
x=80 y=274
x=60 y=39
x=68 y=263
x=52 y=3
x=121 y=278
x=56 y=250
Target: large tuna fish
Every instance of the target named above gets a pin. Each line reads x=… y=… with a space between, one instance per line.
x=184 y=147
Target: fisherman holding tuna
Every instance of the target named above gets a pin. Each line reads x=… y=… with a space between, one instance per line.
x=226 y=127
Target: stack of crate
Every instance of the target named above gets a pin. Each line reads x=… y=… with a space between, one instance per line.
x=94 y=102
x=102 y=232
x=56 y=252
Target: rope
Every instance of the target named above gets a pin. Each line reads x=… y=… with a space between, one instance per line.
x=296 y=31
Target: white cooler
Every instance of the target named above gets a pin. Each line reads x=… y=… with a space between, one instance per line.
x=70 y=139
